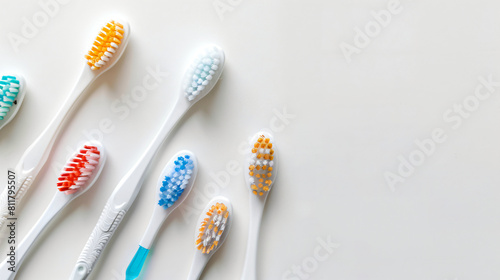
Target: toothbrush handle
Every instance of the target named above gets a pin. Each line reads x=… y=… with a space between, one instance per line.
x=199 y=263
x=108 y=222
x=135 y=266
x=22 y=185
x=256 y=209
x=57 y=203
x=37 y=153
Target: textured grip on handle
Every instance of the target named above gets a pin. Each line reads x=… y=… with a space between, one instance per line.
x=102 y=233
x=20 y=192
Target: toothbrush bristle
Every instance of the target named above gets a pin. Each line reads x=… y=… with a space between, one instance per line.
x=78 y=169
x=176 y=181
x=212 y=228
x=261 y=165
x=9 y=89
x=203 y=72
x=105 y=45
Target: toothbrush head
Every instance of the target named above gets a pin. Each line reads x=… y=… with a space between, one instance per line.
x=215 y=222
x=109 y=45
x=203 y=73
x=177 y=180
x=82 y=169
x=12 y=89
x=262 y=166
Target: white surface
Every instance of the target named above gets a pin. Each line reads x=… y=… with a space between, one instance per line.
x=352 y=121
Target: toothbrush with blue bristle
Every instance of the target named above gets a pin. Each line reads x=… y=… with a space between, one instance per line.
x=174 y=185
x=12 y=91
x=200 y=78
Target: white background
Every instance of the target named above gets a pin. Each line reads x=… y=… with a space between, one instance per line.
x=352 y=120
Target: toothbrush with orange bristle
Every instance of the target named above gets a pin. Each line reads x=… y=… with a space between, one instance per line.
x=261 y=174
x=105 y=52
x=78 y=175
x=215 y=223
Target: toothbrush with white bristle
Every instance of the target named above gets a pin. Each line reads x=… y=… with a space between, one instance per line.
x=260 y=177
x=215 y=223
x=201 y=77
x=12 y=92
x=105 y=52
x=78 y=176
x=174 y=185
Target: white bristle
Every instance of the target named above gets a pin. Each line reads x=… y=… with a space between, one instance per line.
x=200 y=76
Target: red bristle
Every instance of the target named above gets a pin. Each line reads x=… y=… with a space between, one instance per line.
x=72 y=170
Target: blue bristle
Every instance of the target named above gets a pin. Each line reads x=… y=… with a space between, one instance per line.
x=175 y=183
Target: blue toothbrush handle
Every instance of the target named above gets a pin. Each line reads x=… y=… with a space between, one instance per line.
x=135 y=266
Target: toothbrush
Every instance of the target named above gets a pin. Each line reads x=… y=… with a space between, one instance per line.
x=215 y=223
x=174 y=185
x=201 y=77
x=262 y=167
x=105 y=52
x=78 y=176
x=12 y=92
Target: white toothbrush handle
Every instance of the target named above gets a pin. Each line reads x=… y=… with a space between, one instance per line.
x=124 y=195
x=37 y=153
x=21 y=185
x=108 y=222
x=256 y=209
x=199 y=263
x=157 y=219
x=58 y=202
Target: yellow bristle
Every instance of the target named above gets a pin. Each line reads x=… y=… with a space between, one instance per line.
x=108 y=34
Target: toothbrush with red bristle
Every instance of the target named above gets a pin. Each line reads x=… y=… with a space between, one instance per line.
x=104 y=53
x=260 y=176
x=78 y=176
x=215 y=223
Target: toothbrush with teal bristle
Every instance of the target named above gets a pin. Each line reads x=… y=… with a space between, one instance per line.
x=174 y=185
x=12 y=92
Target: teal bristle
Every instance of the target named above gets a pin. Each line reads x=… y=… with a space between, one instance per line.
x=9 y=89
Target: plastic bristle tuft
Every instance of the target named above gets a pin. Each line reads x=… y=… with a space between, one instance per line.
x=105 y=45
x=261 y=165
x=78 y=169
x=176 y=181
x=201 y=72
x=211 y=228
x=9 y=89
